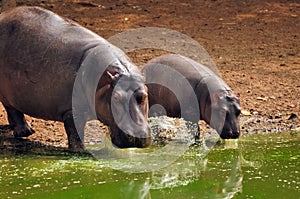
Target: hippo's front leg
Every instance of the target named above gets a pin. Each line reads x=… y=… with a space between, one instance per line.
x=198 y=134
x=18 y=123
x=75 y=143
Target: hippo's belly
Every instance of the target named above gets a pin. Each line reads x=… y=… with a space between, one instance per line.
x=43 y=95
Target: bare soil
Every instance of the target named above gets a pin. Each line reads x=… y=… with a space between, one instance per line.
x=255 y=44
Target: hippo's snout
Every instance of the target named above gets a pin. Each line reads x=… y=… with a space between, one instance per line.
x=140 y=138
x=144 y=141
x=230 y=130
x=230 y=134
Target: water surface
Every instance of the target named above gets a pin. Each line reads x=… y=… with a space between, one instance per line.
x=257 y=166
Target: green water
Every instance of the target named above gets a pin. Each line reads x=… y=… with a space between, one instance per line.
x=257 y=166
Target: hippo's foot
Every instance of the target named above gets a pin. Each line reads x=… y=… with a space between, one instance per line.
x=18 y=123
x=75 y=143
x=23 y=131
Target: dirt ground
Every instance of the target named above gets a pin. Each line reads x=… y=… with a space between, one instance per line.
x=255 y=44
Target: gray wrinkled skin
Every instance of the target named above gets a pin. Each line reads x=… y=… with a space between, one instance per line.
x=218 y=106
x=40 y=56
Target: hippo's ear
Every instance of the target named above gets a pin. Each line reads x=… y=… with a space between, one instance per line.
x=112 y=77
x=146 y=89
x=146 y=102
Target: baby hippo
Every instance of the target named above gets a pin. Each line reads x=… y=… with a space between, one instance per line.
x=181 y=87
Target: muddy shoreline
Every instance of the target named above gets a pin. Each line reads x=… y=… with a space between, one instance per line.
x=255 y=45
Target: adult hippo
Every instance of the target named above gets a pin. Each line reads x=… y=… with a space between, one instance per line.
x=43 y=55
x=214 y=102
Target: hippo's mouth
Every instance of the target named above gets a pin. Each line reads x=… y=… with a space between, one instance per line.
x=230 y=134
x=131 y=142
x=123 y=139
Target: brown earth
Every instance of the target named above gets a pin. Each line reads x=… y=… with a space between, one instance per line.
x=255 y=44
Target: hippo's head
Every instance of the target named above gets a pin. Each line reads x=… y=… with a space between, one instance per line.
x=225 y=111
x=122 y=104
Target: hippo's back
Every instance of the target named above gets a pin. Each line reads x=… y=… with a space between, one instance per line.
x=40 y=53
x=191 y=70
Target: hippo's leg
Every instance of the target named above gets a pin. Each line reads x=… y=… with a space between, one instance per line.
x=75 y=140
x=18 y=123
x=198 y=134
x=199 y=138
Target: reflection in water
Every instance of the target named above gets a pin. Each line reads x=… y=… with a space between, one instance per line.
x=258 y=166
x=185 y=172
x=176 y=175
x=69 y=174
x=137 y=190
x=233 y=184
x=180 y=174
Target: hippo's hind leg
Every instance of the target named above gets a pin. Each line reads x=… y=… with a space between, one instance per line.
x=75 y=140
x=18 y=123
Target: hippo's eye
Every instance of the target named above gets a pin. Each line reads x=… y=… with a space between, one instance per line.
x=140 y=97
x=238 y=112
